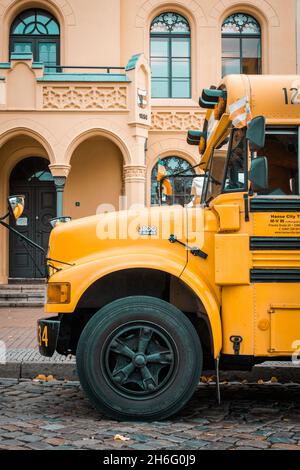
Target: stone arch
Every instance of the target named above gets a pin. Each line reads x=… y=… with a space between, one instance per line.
x=223 y=8
x=97 y=127
x=150 y=8
x=32 y=129
x=61 y=8
x=170 y=146
x=23 y=153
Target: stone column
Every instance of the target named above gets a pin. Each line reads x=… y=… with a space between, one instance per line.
x=135 y=184
x=60 y=173
x=59 y=182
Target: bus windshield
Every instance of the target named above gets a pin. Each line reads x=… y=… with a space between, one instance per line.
x=227 y=171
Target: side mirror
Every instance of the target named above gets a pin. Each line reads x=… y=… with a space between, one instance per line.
x=16 y=206
x=59 y=220
x=259 y=174
x=256 y=133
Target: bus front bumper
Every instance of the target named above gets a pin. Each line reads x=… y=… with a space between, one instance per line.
x=47 y=335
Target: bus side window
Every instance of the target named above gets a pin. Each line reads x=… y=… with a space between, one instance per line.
x=281 y=150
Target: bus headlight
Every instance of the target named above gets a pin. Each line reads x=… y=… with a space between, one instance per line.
x=58 y=293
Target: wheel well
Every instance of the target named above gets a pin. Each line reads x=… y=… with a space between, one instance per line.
x=130 y=282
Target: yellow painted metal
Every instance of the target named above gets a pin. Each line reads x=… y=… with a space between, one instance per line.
x=272 y=224
x=229 y=215
x=277 y=304
x=218 y=135
x=267 y=96
x=276 y=259
x=265 y=315
x=232 y=256
x=238 y=318
x=78 y=243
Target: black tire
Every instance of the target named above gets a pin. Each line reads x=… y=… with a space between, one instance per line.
x=124 y=342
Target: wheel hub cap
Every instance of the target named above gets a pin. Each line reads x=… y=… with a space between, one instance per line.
x=140 y=360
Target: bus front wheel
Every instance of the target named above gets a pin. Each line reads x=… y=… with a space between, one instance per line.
x=139 y=358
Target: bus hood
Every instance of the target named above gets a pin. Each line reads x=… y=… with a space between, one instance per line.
x=133 y=231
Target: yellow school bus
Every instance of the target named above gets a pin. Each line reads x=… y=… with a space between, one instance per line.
x=147 y=299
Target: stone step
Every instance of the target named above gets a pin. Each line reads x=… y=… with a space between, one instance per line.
x=21 y=304
x=25 y=281
x=8 y=288
x=20 y=295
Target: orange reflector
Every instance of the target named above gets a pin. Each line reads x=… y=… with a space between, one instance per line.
x=58 y=293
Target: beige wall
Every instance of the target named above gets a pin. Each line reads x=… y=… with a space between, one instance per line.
x=95 y=177
x=277 y=19
x=93 y=132
x=108 y=32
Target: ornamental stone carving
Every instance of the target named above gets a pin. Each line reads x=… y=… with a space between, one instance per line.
x=85 y=97
x=136 y=171
x=177 y=120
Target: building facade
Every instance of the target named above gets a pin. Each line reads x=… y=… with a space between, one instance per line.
x=93 y=93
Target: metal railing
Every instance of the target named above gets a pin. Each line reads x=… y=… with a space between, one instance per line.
x=61 y=68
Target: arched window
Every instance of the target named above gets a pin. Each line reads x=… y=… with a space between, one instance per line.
x=170 y=44
x=181 y=185
x=36 y=31
x=241 y=45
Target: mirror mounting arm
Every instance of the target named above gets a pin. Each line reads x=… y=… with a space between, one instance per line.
x=20 y=235
x=4 y=217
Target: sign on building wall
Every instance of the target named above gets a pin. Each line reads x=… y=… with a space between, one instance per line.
x=142 y=101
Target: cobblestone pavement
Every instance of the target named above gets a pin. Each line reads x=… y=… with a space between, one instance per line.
x=56 y=415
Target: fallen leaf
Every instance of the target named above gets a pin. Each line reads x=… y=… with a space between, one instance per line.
x=41 y=377
x=119 y=437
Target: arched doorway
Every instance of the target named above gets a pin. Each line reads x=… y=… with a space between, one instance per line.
x=32 y=178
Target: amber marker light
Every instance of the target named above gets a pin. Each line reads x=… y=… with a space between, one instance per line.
x=58 y=293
